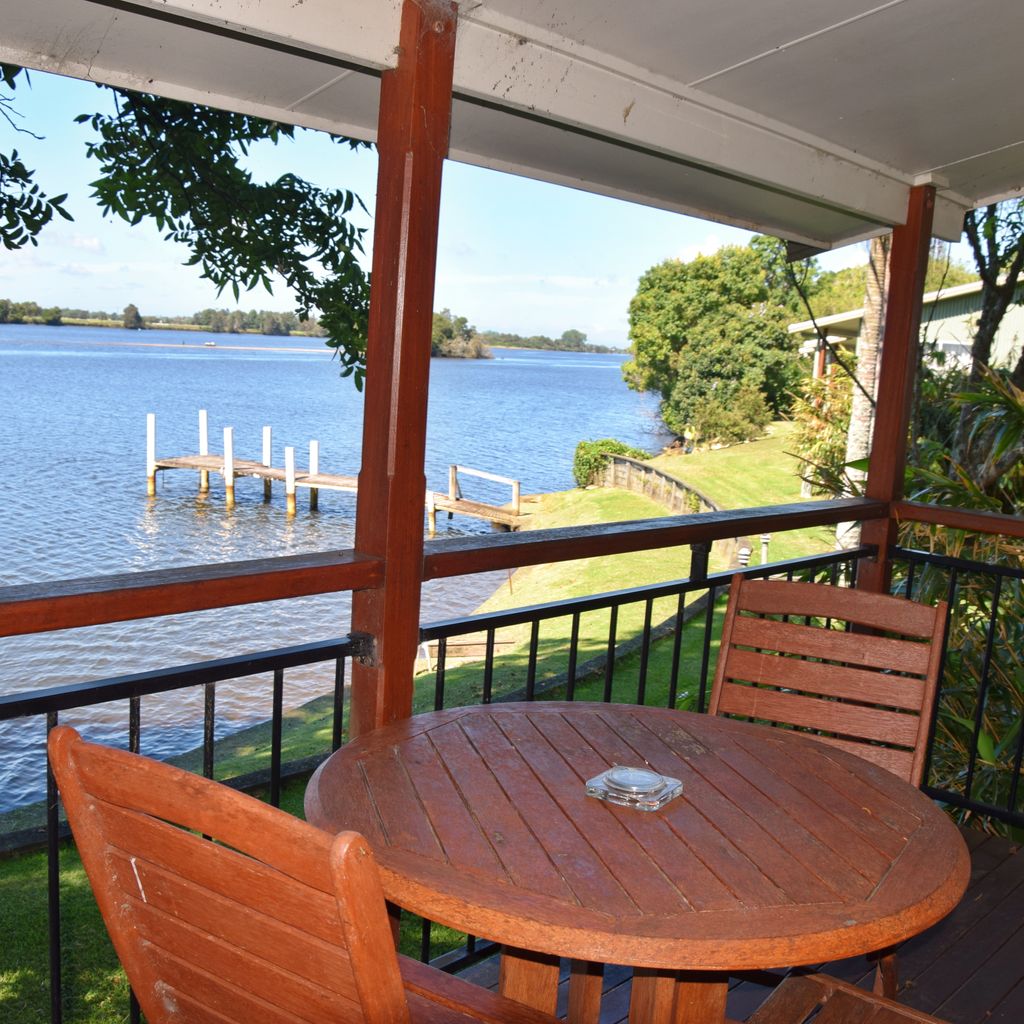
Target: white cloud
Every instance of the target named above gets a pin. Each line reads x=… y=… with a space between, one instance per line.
x=707 y=246
x=855 y=255
x=88 y=242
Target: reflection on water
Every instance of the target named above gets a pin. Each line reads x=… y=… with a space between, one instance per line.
x=73 y=455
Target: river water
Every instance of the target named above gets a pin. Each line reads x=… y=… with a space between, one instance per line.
x=72 y=451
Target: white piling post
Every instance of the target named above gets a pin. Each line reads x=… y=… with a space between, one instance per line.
x=314 y=470
x=515 y=497
x=431 y=519
x=204 y=449
x=453 y=482
x=289 y=480
x=229 y=466
x=151 y=454
x=267 y=450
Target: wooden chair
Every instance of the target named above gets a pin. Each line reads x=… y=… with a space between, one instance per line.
x=273 y=923
x=798 y=655
x=800 y=996
x=788 y=659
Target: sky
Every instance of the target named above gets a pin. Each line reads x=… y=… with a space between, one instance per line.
x=514 y=254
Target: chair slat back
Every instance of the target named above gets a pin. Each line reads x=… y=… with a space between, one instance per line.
x=859 y=670
x=272 y=921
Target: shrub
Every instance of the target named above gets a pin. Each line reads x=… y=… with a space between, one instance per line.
x=742 y=418
x=592 y=456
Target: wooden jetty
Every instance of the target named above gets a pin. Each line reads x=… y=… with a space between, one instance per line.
x=230 y=468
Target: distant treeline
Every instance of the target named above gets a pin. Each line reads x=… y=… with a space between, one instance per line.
x=218 y=321
x=451 y=336
x=455 y=337
x=570 y=341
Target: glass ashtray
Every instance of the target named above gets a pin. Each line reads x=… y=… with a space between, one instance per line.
x=639 y=788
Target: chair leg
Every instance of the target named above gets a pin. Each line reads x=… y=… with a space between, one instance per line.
x=886 y=974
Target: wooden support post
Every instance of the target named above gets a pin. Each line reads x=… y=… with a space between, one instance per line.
x=229 y=466
x=453 y=482
x=151 y=454
x=585 y=983
x=289 y=480
x=268 y=451
x=901 y=340
x=529 y=977
x=314 y=470
x=515 y=497
x=431 y=514
x=412 y=142
x=204 y=449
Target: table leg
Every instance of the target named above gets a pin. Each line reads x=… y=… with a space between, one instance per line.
x=529 y=977
x=677 y=997
x=585 y=983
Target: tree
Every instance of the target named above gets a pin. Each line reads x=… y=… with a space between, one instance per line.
x=273 y=324
x=821 y=415
x=132 y=320
x=864 y=386
x=181 y=165
x=455 y=337
x=996 y=237
x=573 y=340
x=24 y=208
x=709 y=337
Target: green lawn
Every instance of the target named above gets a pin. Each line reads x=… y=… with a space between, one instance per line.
x=748 y=475
x=757 y=473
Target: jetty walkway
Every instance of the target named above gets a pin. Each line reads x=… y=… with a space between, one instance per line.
x=229 y=467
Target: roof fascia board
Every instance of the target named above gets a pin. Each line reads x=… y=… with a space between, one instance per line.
x=365 y=34
x=94 y=71
x=856 y=315
x=661 y=203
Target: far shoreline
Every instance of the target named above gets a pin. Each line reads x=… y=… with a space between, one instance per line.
x=202 y=329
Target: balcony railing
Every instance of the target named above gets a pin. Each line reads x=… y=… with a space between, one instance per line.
x=657 y=646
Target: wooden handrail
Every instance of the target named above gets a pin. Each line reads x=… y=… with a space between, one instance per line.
x=959 y=518
x=463 y=555
x=89 y=601
x=66 y=604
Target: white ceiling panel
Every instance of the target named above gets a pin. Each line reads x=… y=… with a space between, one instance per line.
x=810 y=119
x=907 y=85
x=672 y=38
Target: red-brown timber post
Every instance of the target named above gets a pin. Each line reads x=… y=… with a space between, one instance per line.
x=888 y=461
x=412 y=143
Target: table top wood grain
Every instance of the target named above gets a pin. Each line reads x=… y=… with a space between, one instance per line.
x=780 y=851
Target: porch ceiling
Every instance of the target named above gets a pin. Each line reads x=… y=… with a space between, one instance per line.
x=809 y=119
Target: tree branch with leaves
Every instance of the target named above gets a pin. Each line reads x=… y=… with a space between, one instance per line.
x=24 y=208
x=183 y=167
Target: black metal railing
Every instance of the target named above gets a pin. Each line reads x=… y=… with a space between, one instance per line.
x=655 y=645
x=691 y=600
x=50 y=703
x=977 y=743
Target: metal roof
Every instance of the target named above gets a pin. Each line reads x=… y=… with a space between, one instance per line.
x=807 y=119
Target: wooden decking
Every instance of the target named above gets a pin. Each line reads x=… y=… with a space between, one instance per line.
x=246 y=467
x=501 y=516
x=968 y=969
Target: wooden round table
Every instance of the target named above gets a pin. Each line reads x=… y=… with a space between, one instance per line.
x=780 y=851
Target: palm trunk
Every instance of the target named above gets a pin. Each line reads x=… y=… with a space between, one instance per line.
x=869 y=351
